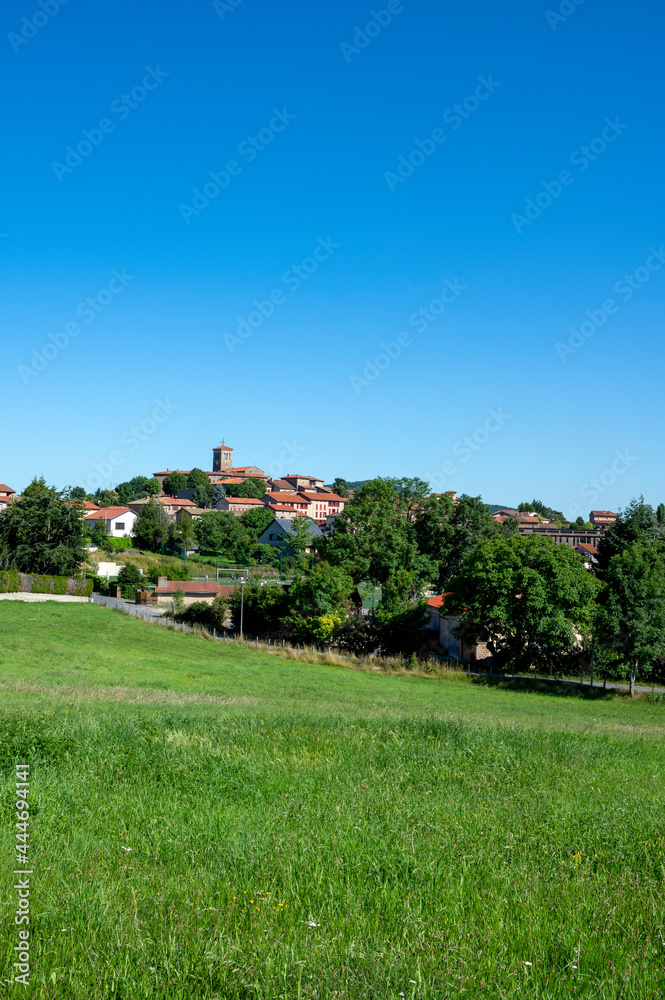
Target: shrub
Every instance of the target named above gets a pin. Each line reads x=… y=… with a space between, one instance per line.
x=129 y=580
x=211 y=616
x=172 y=570
x=10 y=582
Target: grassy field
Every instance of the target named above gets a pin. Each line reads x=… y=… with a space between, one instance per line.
x=211 y=821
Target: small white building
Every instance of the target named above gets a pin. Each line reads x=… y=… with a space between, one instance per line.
x=119 y=520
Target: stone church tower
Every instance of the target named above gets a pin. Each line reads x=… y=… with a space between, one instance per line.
x=222 y=458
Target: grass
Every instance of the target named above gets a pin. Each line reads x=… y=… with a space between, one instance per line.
x=211 y=821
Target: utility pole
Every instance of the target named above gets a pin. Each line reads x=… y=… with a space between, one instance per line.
x=242 y=605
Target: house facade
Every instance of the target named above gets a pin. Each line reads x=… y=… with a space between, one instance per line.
x=119 y=520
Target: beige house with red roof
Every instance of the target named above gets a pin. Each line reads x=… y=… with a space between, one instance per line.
x=238 y=505
x=7 y=495
x=193 y=590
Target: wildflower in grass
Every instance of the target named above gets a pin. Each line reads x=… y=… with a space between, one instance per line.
x=312 y=923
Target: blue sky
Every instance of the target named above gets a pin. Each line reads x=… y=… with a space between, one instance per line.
x=429 y=332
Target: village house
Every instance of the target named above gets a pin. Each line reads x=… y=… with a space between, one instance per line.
x=192 y=590
x=7 y=496
x=439 y=634
x=278 y=531
x=238 y=505
x=119 y=520
x=602 y=518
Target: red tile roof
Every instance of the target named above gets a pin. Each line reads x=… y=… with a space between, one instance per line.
x=242 y=500
x=108 y=513
x=596 y=513
x=332 y=497
x=6 y=489
x=191 y=587
x=591 y=549
x=436 y=602
x=296 y=475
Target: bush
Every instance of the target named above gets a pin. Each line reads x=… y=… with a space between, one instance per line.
x=10 y=582
x=83 y=588
x=211 y=616
x=173 y=569
x=129 y=580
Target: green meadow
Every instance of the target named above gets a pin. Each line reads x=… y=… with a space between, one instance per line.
x=213 y=821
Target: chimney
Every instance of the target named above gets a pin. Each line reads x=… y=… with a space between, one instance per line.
x=162 y=581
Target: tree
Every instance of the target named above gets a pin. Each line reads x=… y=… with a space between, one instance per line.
x=539 y=508
x=218 y=493
x=375 y=535
x=255 y=522
x=340 y=487
x=173 y=482
x=638 y=523
x=399 y=628
x=219 y=531
x=106 y=498
x=298 y=537
x=42 y=532
x=151 y=528
x=324 y=590
x=130 y=580
x=197 y=477
x=203 y=496
x=37 y=487
x=251 y=488
x=631 y=618
x=137 y=488
x=448 y=530
x=77 y=494
x=182 y=534
x=530 y=600
x=100 y=536
x=263 y=609
x=660 y=514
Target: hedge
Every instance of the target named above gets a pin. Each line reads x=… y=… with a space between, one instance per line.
x=10 y=581
x=13 y=582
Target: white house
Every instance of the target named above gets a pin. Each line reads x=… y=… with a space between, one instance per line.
x=119 y=520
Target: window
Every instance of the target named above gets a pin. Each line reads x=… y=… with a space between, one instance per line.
x=120 y=526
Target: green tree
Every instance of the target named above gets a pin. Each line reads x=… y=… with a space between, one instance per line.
x=173 y=482
x=660 y=514
x=254 y=489
x=203 y=496
x=324 y=590
x=398 y=628
x=106 y=498
x=77 y=494
x=447 y=530
x=100 y=536
x=37 y=487
x=42 y=533
x=530 y=600
x=220 y=531
x=218 y=493
x=539 y=508
x=631 y=618
x=255 y=522
x=137 y=489
x=151 y=528
x=263 y=609
x=376 y=535
x=340 y=487
x=130 y=580
x=638 y=523
x=299 y=537
x=197 y=477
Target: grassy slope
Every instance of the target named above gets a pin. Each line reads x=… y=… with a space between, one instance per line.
x=437 y=832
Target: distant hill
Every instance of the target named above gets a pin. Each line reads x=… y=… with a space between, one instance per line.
x=493 y=507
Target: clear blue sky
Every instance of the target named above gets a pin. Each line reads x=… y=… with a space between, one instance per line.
x=333 y=112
